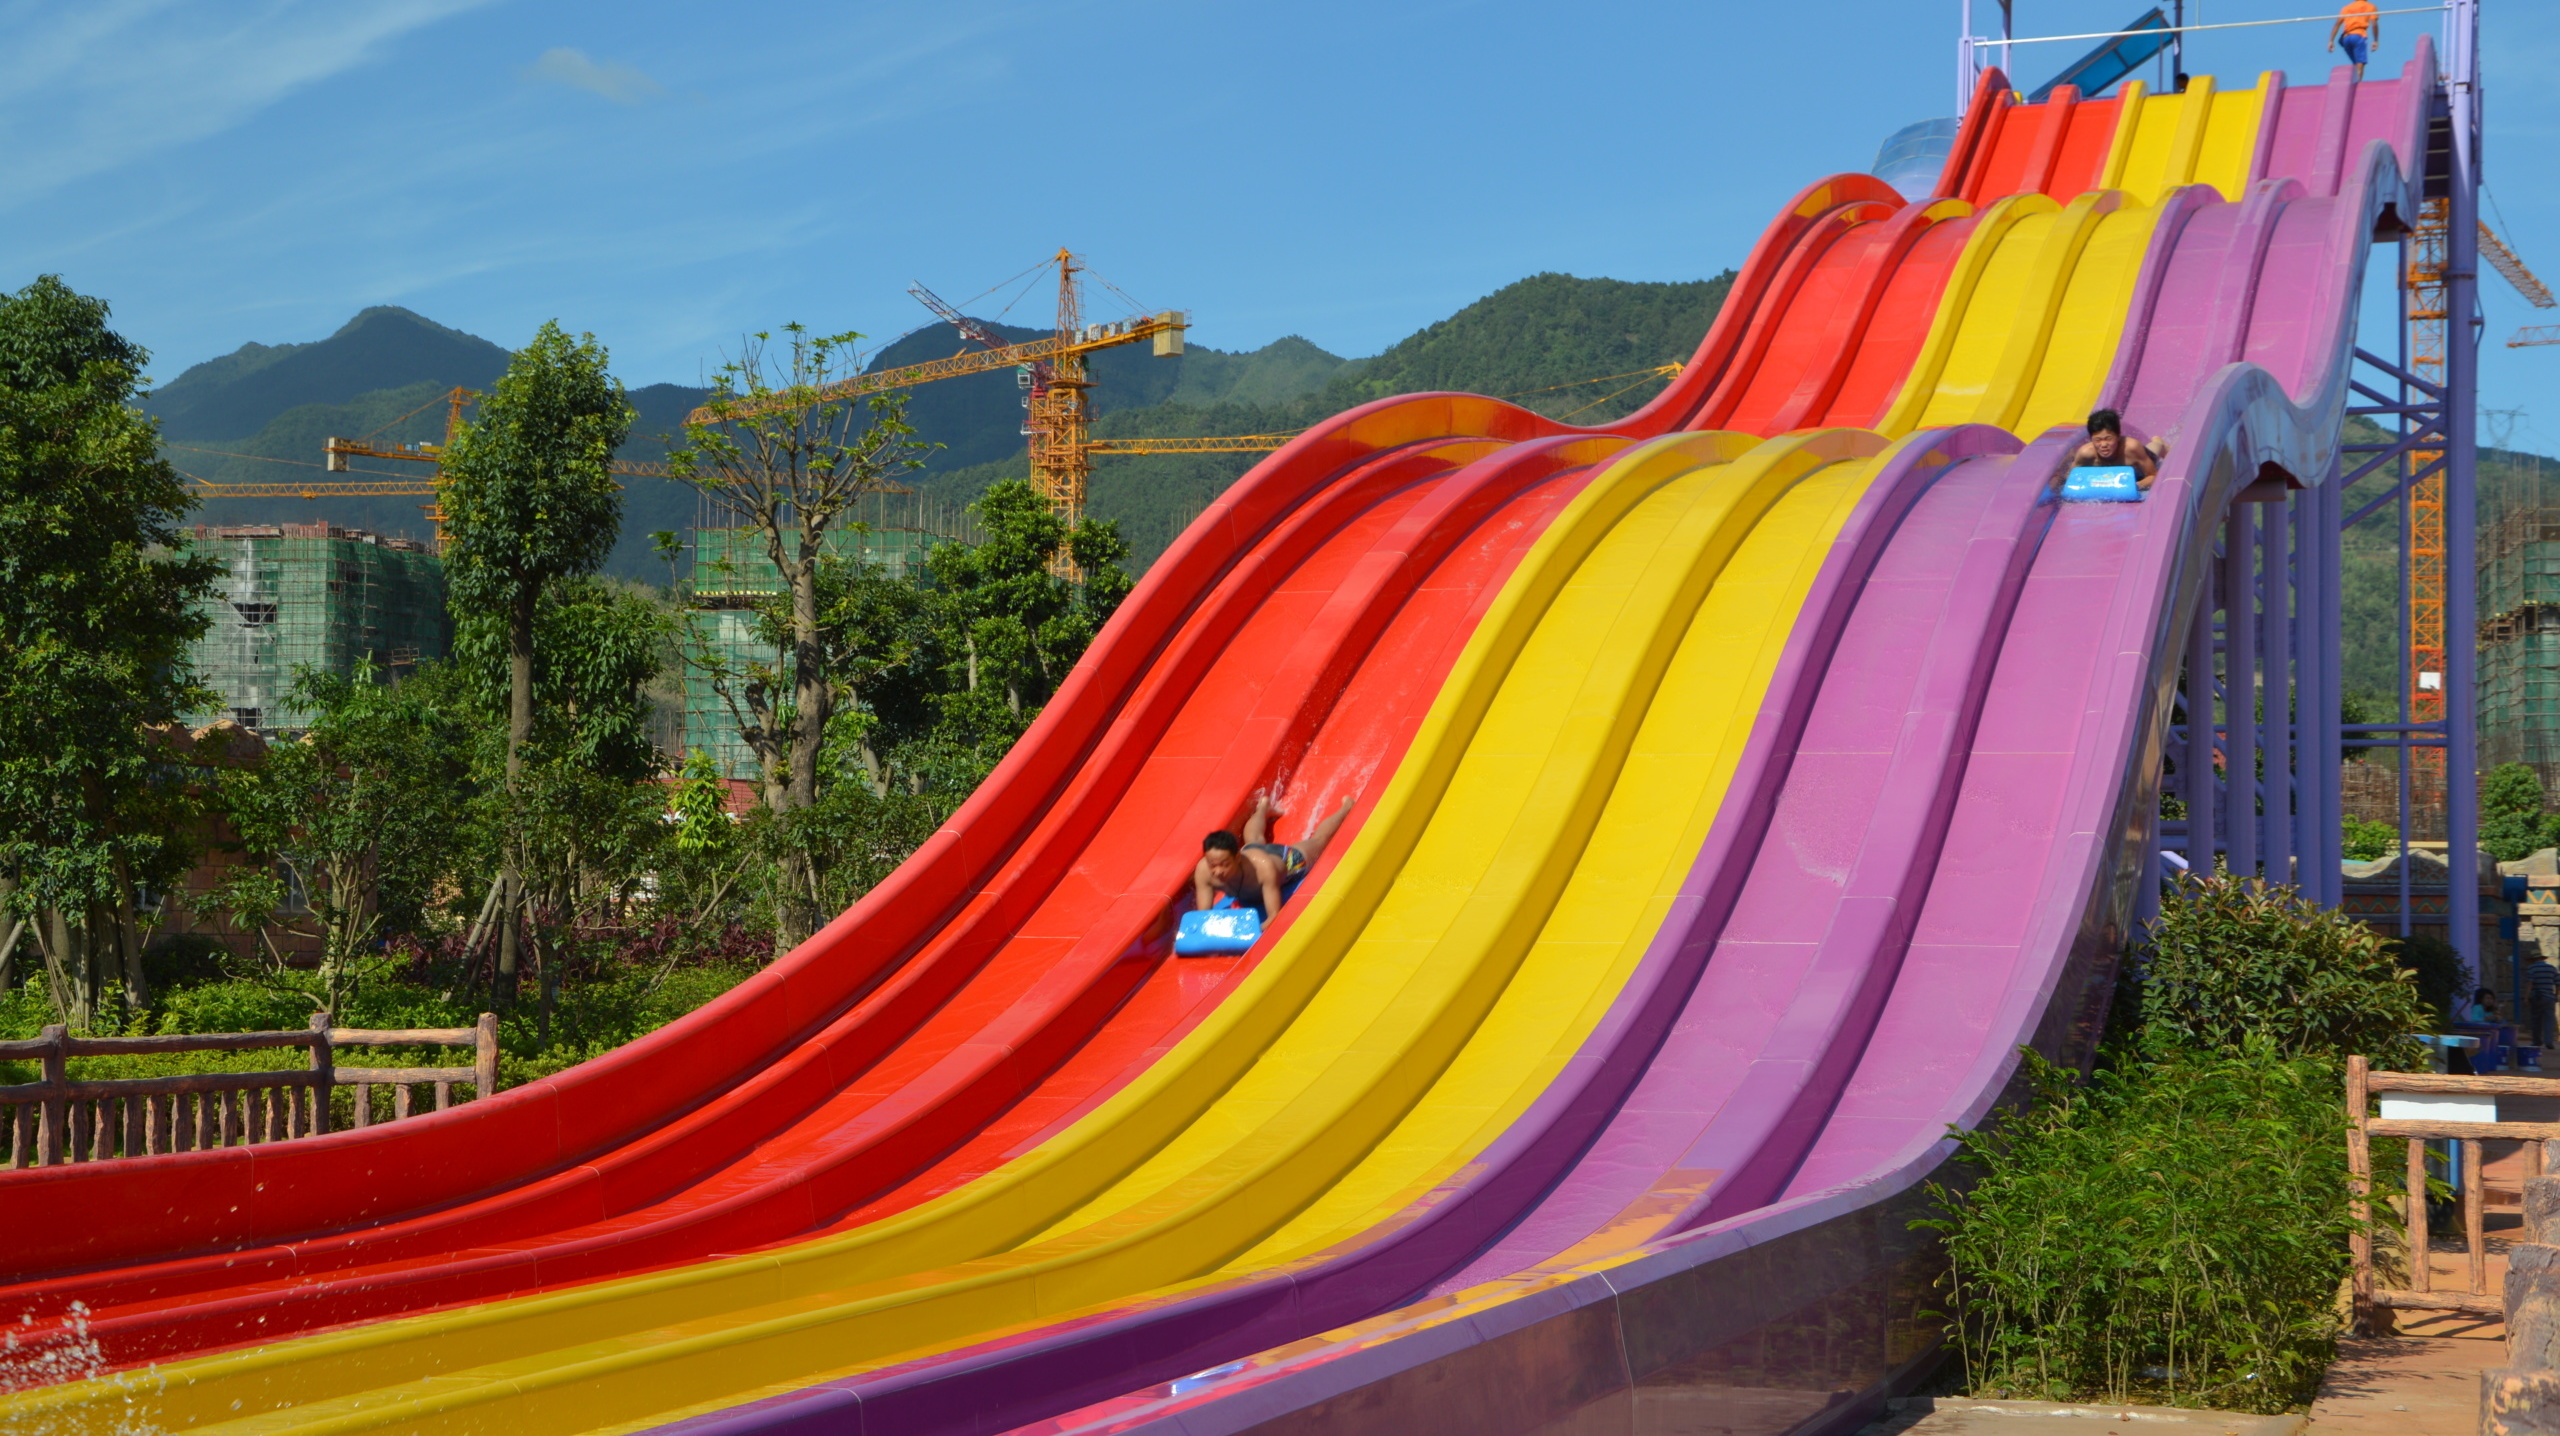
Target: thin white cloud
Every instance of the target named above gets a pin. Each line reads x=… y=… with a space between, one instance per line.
x=89 y=87
x=619 y=83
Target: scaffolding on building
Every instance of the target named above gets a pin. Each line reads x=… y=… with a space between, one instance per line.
x=295 y=597
x=2520 y=624
x=733 y=575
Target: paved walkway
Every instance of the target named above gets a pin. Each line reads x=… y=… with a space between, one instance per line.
x=1965 y=1416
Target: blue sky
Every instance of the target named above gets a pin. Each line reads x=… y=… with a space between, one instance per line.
x=669 y=175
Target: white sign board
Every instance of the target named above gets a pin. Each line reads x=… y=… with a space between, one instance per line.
x=2438 y=1107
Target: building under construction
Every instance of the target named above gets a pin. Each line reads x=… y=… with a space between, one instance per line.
x=733 y=575
x=2520 y=623
x=312 y=596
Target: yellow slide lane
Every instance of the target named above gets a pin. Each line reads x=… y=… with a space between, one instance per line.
x=1476 y=929
x=2200 y=137
x=2036 y=306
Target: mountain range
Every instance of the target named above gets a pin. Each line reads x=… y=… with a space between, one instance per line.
x=260 y=413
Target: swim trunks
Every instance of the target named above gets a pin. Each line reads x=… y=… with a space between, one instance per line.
x=1247 y=890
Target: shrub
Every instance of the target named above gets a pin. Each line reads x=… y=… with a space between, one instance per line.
x=2175 y=1227
x=2228 y=960
x=2172 y=1231
x=2364 y=840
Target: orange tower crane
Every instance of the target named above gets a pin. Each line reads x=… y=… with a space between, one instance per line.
x=1055 y=373
x=1057 y=417
x=2423 y=291
x=2535 y=292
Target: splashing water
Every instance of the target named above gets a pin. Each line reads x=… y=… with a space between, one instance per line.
x=35 y=1355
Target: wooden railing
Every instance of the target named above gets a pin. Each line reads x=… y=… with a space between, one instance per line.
x=59 y=1119
x=2362 y=1087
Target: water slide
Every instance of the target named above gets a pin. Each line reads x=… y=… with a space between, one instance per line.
x=1738 y=786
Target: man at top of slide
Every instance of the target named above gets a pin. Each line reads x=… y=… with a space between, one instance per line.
x=2359 y=28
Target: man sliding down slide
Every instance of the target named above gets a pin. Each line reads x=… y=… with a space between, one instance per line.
x=1258 y=873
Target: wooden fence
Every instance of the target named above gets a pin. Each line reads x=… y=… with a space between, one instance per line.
x=2362 y=1087
x=58 y=1119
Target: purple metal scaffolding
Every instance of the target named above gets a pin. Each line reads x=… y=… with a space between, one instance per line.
x=2268 y=625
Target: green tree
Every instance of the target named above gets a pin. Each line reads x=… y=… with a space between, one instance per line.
x=786 y=452
x=528 y=500
x=1009 y=628
x=597 y=644
x=2512 y=823
x=350 y=829
x=98 y=602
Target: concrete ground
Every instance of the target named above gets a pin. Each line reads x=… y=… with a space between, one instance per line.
x=1965 y=1416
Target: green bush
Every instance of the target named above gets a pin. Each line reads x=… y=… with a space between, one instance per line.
x=2365 y=840
x=2230 y=960
x=2172 y=1232
x=2175 y=1227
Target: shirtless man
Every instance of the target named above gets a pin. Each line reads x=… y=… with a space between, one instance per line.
x=1257 y=872
x=2107 y=448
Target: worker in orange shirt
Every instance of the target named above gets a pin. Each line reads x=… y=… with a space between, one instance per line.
x=2359 y=24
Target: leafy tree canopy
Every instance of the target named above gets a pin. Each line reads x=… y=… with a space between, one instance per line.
x=96 y=610
x=597 y=645
x=527 y=496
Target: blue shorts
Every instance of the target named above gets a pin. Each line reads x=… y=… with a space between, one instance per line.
x=2358 y=51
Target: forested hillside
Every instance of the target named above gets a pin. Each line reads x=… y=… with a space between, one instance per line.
x=260 y=414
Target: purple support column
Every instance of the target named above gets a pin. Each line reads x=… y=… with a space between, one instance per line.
x=2461 y=570
x=2328 y=818
x=2197 y=762
x=2275 y=721
x=2239 y=690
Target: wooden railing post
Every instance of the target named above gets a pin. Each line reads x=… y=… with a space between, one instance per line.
x=2419 y=1276
x=484 y=1064
x=56 y=1141
x=323 y=1074
x=2359 y=1204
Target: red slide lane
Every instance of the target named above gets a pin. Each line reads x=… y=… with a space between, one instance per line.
x=1093 y=938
